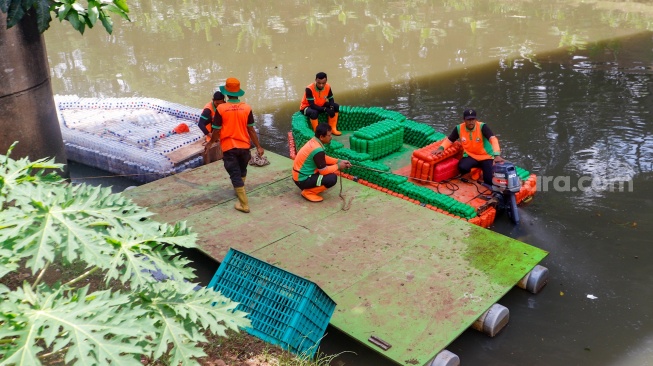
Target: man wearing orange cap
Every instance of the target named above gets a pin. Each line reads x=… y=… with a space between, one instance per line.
x=233 y=126
x=318 y=98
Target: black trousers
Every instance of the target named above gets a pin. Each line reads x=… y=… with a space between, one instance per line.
x=328 y=181
x=235 y=163
x=466 y=164
x=313 y=113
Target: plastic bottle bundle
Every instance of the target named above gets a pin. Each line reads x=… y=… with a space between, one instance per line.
x=419 y=134
x=378 y=139
x=127 y=135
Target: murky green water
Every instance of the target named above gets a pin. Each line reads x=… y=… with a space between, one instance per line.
x=568 y=87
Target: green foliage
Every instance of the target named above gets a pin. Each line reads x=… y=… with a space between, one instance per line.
x=45 y=222
x=76 y=14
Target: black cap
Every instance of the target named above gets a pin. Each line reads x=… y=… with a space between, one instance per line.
x=218 y=96
x=469 y=114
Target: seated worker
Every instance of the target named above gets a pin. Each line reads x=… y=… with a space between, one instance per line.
x=480 y=146
x=313 y=171
x=318 y=98
x=205 y=120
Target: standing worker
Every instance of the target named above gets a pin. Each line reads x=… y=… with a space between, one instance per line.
x=480 y=146
x=205 y=120
x=318 y=98
x=233 y=126
x=313 y=171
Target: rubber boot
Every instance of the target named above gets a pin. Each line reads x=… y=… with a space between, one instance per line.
x=242 y=205
x=314 y=124
x=312 y=194
x=333 y=122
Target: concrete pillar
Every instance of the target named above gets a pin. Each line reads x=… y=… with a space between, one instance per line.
x=27 y=111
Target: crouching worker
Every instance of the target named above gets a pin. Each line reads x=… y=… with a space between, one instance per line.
x=314 y=171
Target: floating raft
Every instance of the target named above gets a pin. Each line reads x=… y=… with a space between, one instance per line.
x=394 y=154
x=130 y=136
x=412 y=278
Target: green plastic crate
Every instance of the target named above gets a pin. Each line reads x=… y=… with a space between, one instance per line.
x=285 y=309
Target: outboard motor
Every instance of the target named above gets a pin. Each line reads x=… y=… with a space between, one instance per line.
x=504 y=176
x=505 y=183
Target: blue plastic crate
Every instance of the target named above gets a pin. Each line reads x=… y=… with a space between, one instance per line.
x=285 y=309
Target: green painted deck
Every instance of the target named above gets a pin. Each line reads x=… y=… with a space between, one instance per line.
x=408 y=275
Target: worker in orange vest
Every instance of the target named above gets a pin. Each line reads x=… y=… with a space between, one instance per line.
x=313 y=170
x=233 y=126
x=480 y=145
x=206 y=118
x=318 y=98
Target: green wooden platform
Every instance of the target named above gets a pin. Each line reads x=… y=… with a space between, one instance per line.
x=408 y=275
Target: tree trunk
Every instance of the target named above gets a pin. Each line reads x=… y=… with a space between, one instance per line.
x=27 y=111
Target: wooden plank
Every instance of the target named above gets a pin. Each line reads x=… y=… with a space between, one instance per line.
x=186 y=152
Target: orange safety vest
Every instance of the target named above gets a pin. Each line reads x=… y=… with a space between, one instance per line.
x=210 y=106
x=319 y=96
x=304 y=165
x=233 y=133
x=475 y=144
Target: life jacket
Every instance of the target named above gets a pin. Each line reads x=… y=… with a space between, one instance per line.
x=319 y=96
x=210 y=106
x=475 y=145
x=304 y=165
x=233 y=133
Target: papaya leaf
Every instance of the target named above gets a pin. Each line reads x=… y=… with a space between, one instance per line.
x=57 y=220
x=211 y=311
x=8 y=262
x=17 y=175
x=43 y=222
x=88 y=324
x=139 y=254
x=184 y=312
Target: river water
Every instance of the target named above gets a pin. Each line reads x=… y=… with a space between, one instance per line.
x=566 y=86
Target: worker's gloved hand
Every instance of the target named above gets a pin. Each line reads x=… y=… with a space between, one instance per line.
x=330 y=111
x=344 y=164
x=498 y=159
x=438 y=152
